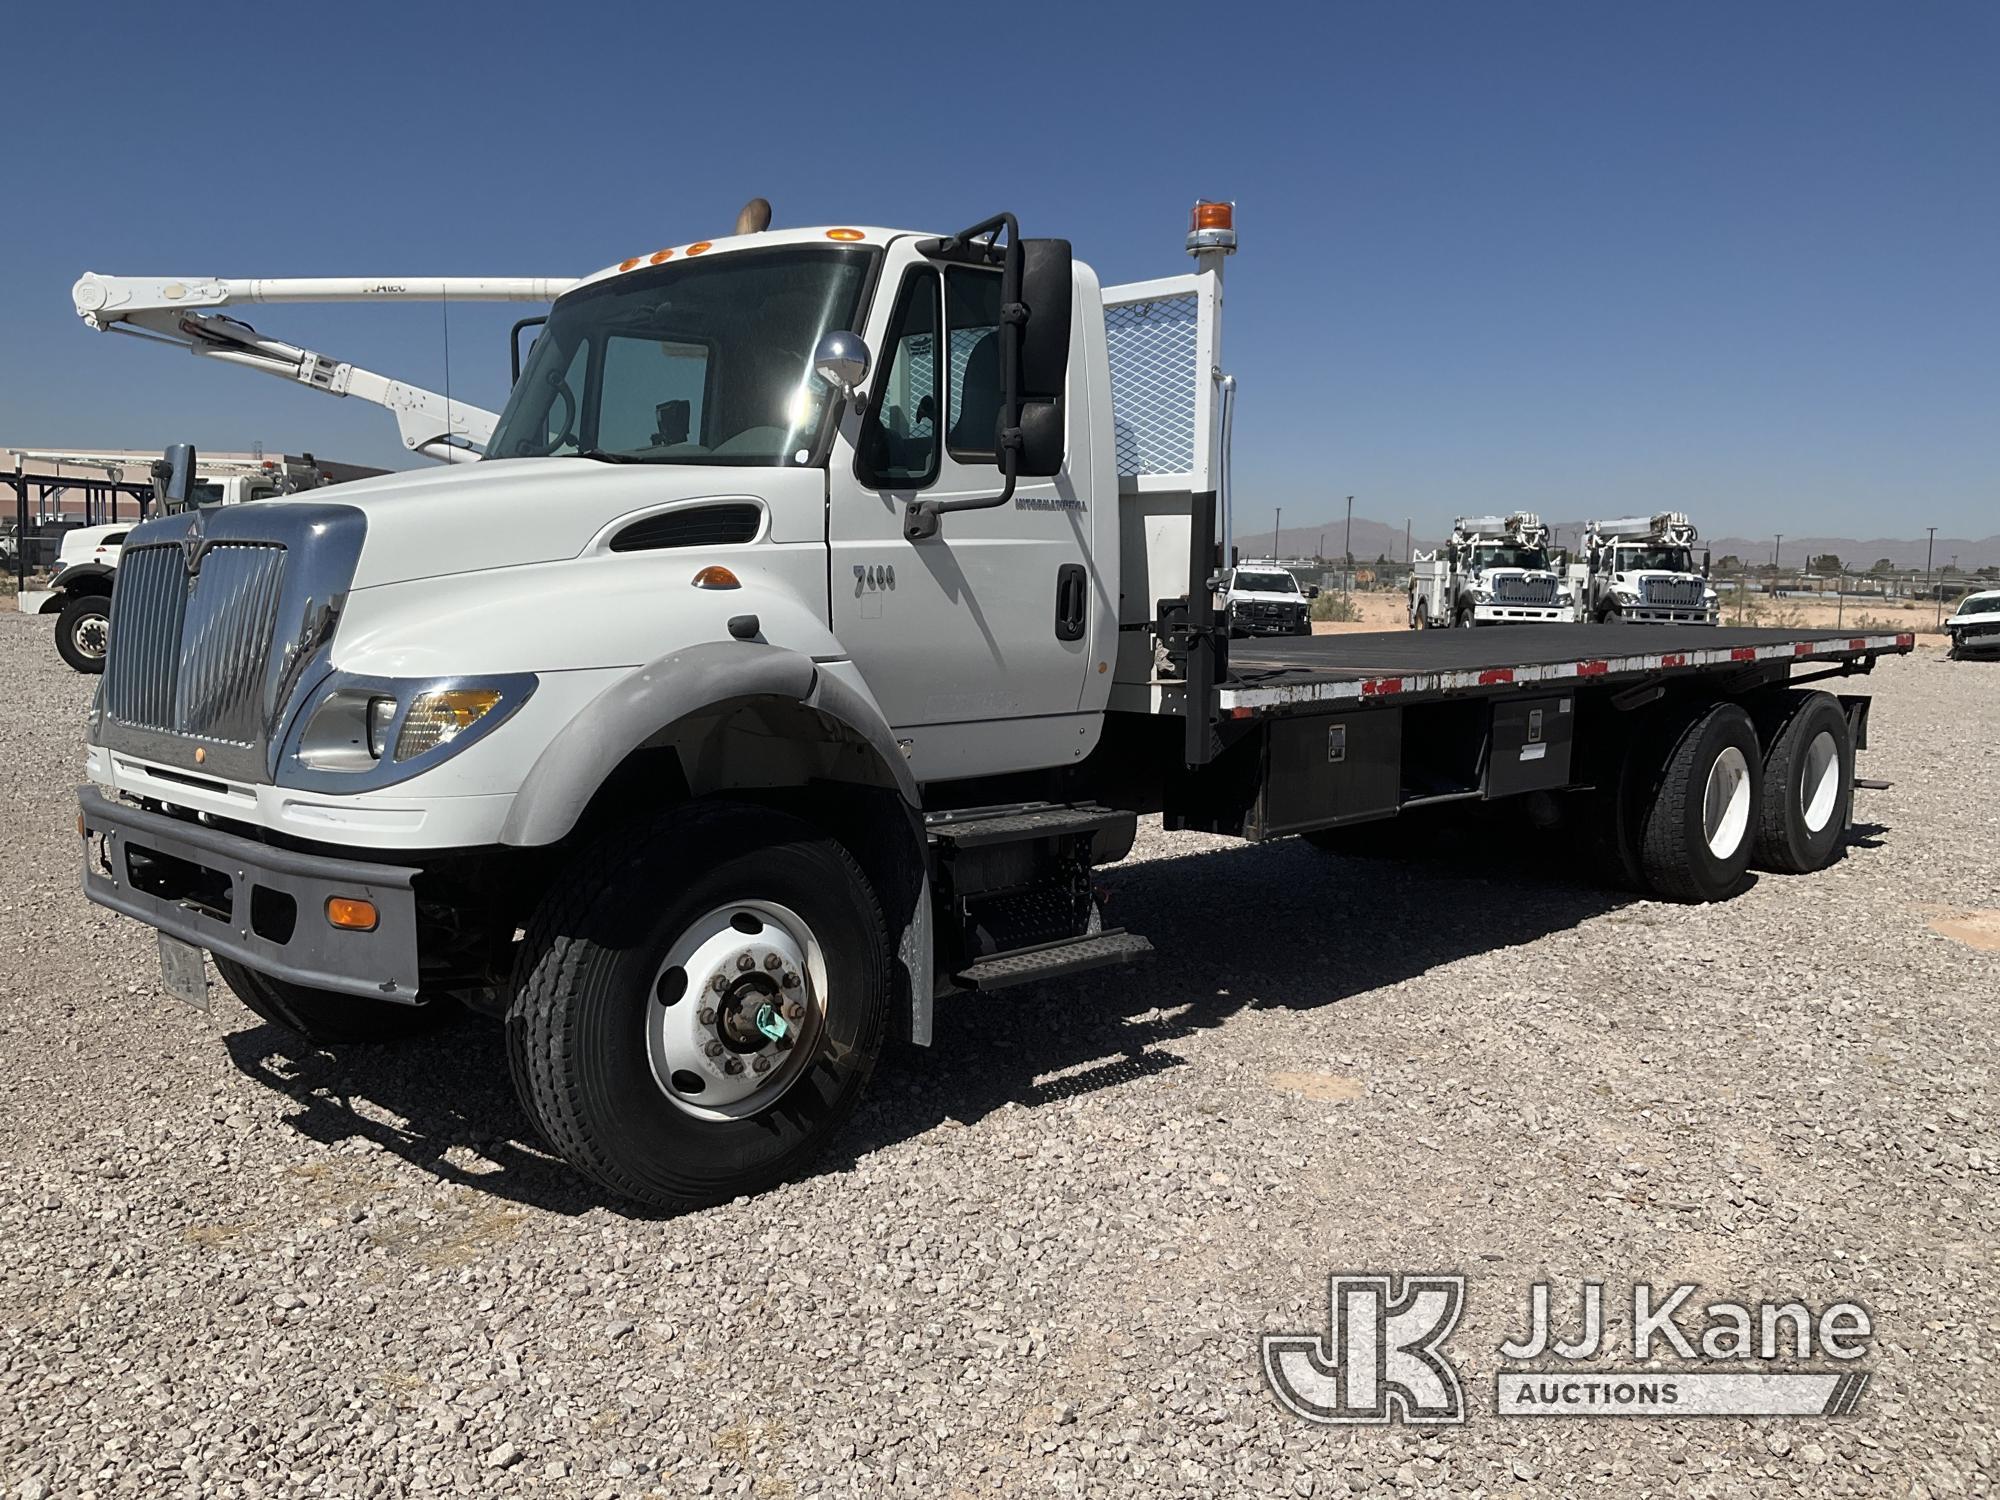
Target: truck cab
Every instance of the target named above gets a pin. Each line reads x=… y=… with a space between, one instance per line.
x=1494 y=570
x=1643 y=570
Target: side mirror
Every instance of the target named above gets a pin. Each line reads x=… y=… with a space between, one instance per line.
x=841 y=360
x=1044 y=357
x=1312 y=591
x=1704 y=562
x=173 y=477
x=514 y=342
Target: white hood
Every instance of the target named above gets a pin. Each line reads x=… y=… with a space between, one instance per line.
x=502 y=513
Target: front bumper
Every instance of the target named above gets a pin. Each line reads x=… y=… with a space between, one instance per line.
x=1667 y=614
x=262 y=906
x=1976 y=639
x=1270 y=625
x=1511 y=614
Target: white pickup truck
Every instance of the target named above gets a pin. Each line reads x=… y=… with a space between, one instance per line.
x=829 y=603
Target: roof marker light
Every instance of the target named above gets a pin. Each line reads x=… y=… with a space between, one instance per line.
x=845 y=234
x=626 y=265
x=659 y=255
x=698 y=246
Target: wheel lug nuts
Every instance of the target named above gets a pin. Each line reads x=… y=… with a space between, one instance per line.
x=762 y=1065
x=708 y=1016
x=791 y=980
x=784 y=1043
x=734 y=1065
x=772 y=961
x=719 y=983
x=713 y=1049
x=745 y=961
x=794 y=1011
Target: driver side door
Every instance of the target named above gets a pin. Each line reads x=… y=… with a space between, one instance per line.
x=975 y=641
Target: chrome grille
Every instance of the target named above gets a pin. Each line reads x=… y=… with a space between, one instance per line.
x=1672 y=592
x=146 y=609
x=188 y=653
x=1512 y=589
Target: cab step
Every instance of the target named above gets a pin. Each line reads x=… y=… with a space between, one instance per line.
x=979 y=827
x=1097 y=950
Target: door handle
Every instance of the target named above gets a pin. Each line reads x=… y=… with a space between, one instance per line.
x=1071 y=594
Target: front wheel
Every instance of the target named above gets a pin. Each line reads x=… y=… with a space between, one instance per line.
x=699 y=1004
x=1466 y=620
x=83 y=631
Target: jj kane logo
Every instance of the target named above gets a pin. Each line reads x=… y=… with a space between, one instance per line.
x=1382 y=1359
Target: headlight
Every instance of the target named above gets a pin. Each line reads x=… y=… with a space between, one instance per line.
x=1481 y=592
x=363 y=732
x=438 y=718
x=1625 y=592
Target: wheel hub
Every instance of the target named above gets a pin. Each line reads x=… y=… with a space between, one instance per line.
x=735 y=1009
x=1725 y=803
x=93 y=635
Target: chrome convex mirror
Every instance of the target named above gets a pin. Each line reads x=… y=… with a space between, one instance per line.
x=841 y=360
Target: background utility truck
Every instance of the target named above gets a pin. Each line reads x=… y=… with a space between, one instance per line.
x=829 y=603
x=1642 y=569
x=1495 y=570
x=80 y=587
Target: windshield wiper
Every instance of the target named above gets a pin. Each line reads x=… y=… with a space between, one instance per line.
x=604 y=457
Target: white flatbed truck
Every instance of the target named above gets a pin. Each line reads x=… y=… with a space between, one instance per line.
x=830 y=602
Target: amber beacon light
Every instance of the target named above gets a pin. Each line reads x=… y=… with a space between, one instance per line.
x=1212 y=227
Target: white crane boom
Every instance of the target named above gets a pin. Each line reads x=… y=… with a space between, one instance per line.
x=170 y=310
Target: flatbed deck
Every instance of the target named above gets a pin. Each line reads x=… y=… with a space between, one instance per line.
x=1272 y=675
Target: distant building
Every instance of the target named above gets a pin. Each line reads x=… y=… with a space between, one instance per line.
x=87 y=486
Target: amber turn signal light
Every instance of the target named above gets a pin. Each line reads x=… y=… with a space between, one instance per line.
x=352 y=914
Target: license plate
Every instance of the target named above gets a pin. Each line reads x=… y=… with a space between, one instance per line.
x=184 y=971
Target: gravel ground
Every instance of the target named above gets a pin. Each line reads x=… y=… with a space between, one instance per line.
x=232 y=1265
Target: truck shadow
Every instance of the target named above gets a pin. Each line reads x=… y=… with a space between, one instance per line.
x=1236 y=928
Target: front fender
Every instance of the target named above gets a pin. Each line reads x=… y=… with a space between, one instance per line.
x=658 y=695
x=663 y=693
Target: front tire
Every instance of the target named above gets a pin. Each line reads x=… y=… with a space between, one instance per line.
x=1808 y=784
x=1466 y=620
x=326 y=1016
x=1699 y=829
x=83 y=631
x=651 y=1056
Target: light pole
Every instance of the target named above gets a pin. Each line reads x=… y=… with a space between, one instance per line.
x=1930 y=552
x=1276 y=522
x=1348 y=547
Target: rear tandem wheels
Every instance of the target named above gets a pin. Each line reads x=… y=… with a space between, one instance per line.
x=1691 y=796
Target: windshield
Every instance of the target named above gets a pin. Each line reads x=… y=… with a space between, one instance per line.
x=1980 y=604
x=692 y=362
x=1266 y=583
x=1509 y=557
x=1656 y=559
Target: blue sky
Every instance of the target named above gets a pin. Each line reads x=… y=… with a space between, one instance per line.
x=1734 y=257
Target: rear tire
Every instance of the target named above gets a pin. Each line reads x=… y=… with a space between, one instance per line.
x=1699 y=827
x=83 y=631
x=1808 y=784
x=324 y=1015
x=611 y=1035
